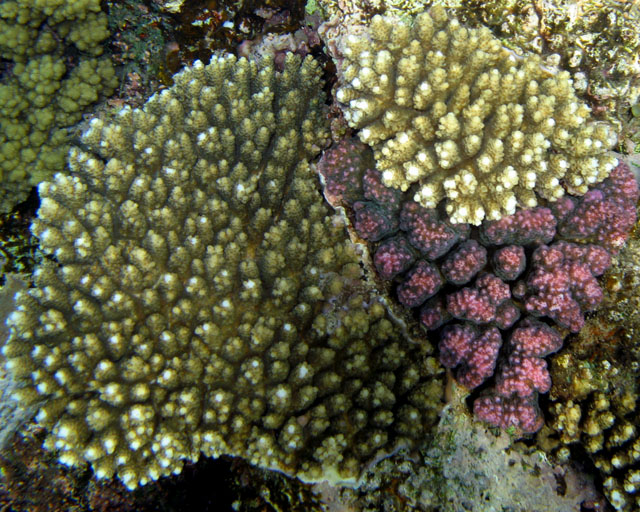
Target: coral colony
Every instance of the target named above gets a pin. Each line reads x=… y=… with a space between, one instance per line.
x=478 y=285
x=206 y=299
x=452 y=114
x=46 y=91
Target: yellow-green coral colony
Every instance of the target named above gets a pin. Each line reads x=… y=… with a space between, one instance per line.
x=205 y=299
x=43 y=95
x=452 y=113
x=602 y=417
x=609 y=434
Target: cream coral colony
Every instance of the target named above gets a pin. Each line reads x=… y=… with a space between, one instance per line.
x=452 y=115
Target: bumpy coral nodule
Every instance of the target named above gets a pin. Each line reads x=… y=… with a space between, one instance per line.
x=453 y=115
x=205 y=300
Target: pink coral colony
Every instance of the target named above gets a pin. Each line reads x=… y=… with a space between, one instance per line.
x=523 y=278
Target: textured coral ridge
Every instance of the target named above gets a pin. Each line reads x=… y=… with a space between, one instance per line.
x=513 y=280
x=204 y=299
x=452 y=114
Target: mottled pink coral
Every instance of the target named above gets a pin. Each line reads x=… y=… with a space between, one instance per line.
x=533 y=338
x=372 y=222
x=475 y=353
x=426 y=232
x=434 y=314
x=525 y=227
x=595 y=257
x=519 y=289
x=393 y=257
x=374 y=190
x=507 y=314
x=422 y=282
x=562 y=285
x=563 y=207
x=342 y=167
x=472 y=305
x=509 y=262
x=493 y=287
x=478 y=304
x=523 y=376
x=506 y=412
x=455 y=343
x=464 y=263
x=605 y=214
x=556 y=283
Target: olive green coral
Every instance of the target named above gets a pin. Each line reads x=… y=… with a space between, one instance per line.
x=453 y=114
x=44 y=89
x=205 y=300
x=601 y=417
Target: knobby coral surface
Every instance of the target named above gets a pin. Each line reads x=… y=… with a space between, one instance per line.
x=526 y=279
x=453 y=115
x=52 y=71
x=203 y=299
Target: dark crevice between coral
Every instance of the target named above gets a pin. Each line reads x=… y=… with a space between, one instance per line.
x=19 y=250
